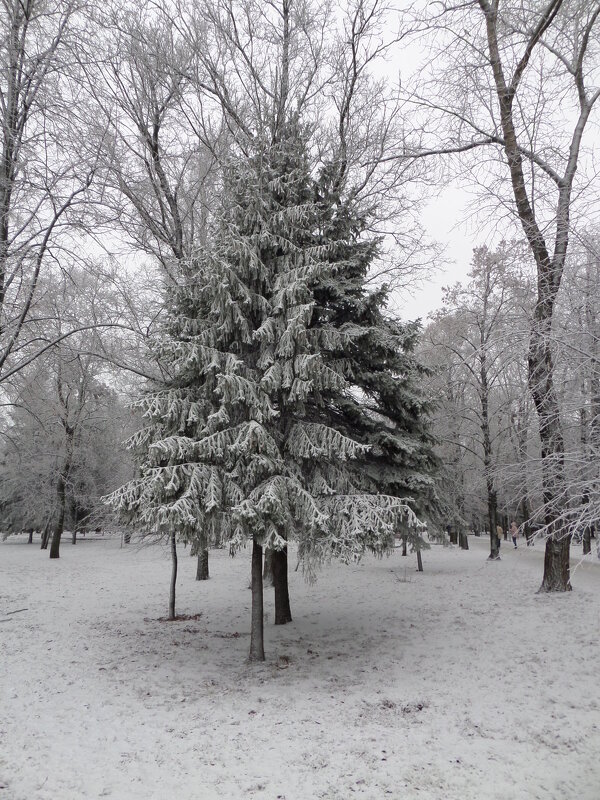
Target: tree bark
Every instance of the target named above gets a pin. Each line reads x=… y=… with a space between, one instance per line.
x=404 y=545
x=30 y=540
x=202 y=568
x=419 y=561
x=173 y=576
x=46 y=534
x=74 y=537
x=587 y=543
x=60 y=520
x=557 y=571
x=283 y=613
x=268 y=576
x=541 y=374
x=492 y=517
x=257 y=647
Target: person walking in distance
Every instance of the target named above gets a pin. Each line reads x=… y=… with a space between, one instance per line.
x=514 y=532
x=499 y=533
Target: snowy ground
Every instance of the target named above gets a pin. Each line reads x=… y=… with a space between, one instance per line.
x=456 y=683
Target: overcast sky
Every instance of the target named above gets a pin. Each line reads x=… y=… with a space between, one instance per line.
x=444 y=220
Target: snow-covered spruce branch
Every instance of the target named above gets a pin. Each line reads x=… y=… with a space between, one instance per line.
x=314 y=441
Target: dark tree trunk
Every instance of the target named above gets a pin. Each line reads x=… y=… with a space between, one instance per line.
x=268 y=576
x=173 y=576
x=419 y=561
x=587 y=544
x=30 y=540
x=541 y=373
x=494 y=548
x=74 y=537
x=404 y=545
x=283 y=613
x=492 y=517
x=257 y=646
x=529 y=535
x=46 y=535
x=61 y=491
x=202 y=567
x=557 y=571
x=60 y=520
x=463 y=540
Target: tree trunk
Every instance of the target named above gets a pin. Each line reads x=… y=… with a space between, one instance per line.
x=257 y=647
x=541 y=373
x=404 y=543
x=74 y=537
x=463 y=540
x=202 y=568
x=419 y=561
x=268 y=575
x=494 y=547
x=557 y=571
x=61 y=490
x=46 y=534
x=173 y=576
x=283 y=613
x=587 y=543
x=30 y=540
x=493 y=520
x=60 y=520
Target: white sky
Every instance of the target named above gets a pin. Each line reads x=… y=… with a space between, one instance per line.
x=443 y=219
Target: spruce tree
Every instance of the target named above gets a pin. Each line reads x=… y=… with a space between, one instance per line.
x=385 y=408
x=388 y=408
x=245 y=442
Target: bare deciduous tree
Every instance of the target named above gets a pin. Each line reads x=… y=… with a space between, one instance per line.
x=519 y=91
x=477 y=332
x=45 y=171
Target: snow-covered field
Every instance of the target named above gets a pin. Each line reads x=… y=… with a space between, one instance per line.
x=455 y=683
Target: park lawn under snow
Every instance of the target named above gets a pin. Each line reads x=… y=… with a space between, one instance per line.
x=458 y=682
